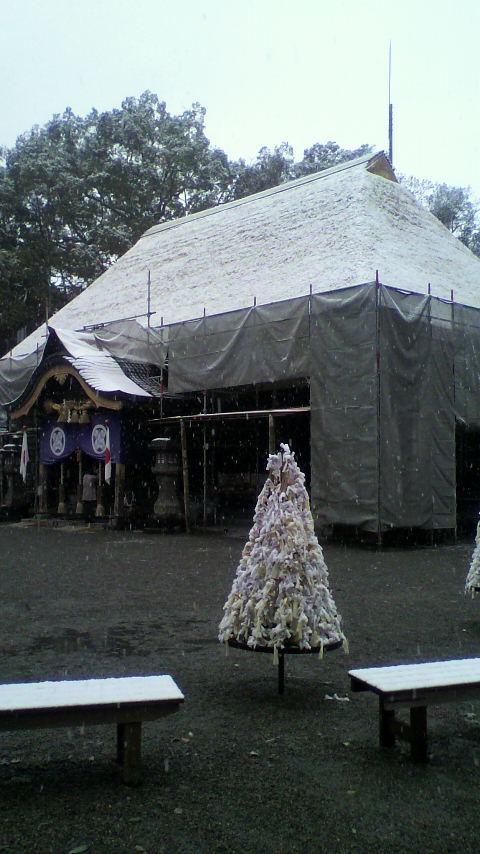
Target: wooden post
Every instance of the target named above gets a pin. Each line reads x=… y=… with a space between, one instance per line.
x=79 y=506
x=204 y=463
x=418 y=733
x=42 y=488
x=118 y=507
x=61 y=491
x=129 y=751
x=204 y=475
x=271 y=434
x=1 y=480
x=186 y=488
x=100 y=509
x=386 y=719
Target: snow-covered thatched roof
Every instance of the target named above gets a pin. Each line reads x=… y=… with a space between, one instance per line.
x=326 y=231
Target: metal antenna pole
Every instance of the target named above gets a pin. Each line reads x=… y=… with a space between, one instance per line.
x=148 y=299
x=390 y=108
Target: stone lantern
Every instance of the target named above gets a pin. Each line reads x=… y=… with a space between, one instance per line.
x=10 y=456
x=168 y=508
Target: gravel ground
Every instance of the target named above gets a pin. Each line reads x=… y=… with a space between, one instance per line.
x=239 y=768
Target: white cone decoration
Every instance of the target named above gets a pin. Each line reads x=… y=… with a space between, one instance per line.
x=472 y=584
x=280 y=595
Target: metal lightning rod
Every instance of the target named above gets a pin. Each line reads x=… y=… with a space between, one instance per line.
x=390 y=108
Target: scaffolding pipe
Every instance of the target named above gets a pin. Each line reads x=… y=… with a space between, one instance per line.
x=186 y=489
x=205 y=448
x=379 y=412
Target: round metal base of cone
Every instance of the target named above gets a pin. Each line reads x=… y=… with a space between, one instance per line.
x=289 y=649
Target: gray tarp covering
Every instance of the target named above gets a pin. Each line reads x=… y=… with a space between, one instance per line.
x=343 y=399
x=125 y=340
x=257 y=344
x=464 y=323
x=391 y=373
x=383 y=417
x=416 y=415
x=15 y=374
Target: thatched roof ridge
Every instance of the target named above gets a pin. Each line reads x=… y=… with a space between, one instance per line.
x=377 y=164
x=323 y=232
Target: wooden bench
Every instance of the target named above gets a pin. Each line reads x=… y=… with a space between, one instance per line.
x=125 y=701
x=416 y=686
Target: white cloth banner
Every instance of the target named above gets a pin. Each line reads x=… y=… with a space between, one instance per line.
x=24 y=458
x=108 y=458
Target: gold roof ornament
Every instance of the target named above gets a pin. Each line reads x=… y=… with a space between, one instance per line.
x=62 y=414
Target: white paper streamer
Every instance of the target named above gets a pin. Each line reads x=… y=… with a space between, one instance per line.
x=472 y=583
x=280 y=594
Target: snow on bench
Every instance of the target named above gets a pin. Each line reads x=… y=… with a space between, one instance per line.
x=126 y=701
x=415 y=686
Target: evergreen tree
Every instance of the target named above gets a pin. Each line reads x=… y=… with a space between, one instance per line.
x=77 y=193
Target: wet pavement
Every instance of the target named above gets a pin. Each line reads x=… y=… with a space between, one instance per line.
x=239 y=768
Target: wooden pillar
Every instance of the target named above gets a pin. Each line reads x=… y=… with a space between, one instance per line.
x=100 y=509
x=1 y=480
x=271 y=435
x=205 y=447
x=186 y=487
x=10 y=490
x=118 y=506
x=42 y=489
x=79 y=507
x=61 y=491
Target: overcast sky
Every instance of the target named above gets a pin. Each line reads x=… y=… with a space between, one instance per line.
x=267 y=71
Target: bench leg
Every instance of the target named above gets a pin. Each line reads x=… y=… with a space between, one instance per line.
x=386 y=719
x=129 y=751
x=418 y=733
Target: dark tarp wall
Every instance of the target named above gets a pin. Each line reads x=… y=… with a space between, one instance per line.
x=259 y=344
x=465 y=325
x=343 y=400
x=390 y=374
x=383 y=420
x=382 y=429
x=417 y=422
x=443 y=448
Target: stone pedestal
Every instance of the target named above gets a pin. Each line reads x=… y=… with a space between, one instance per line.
x=168 y=509
x=13 y=497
